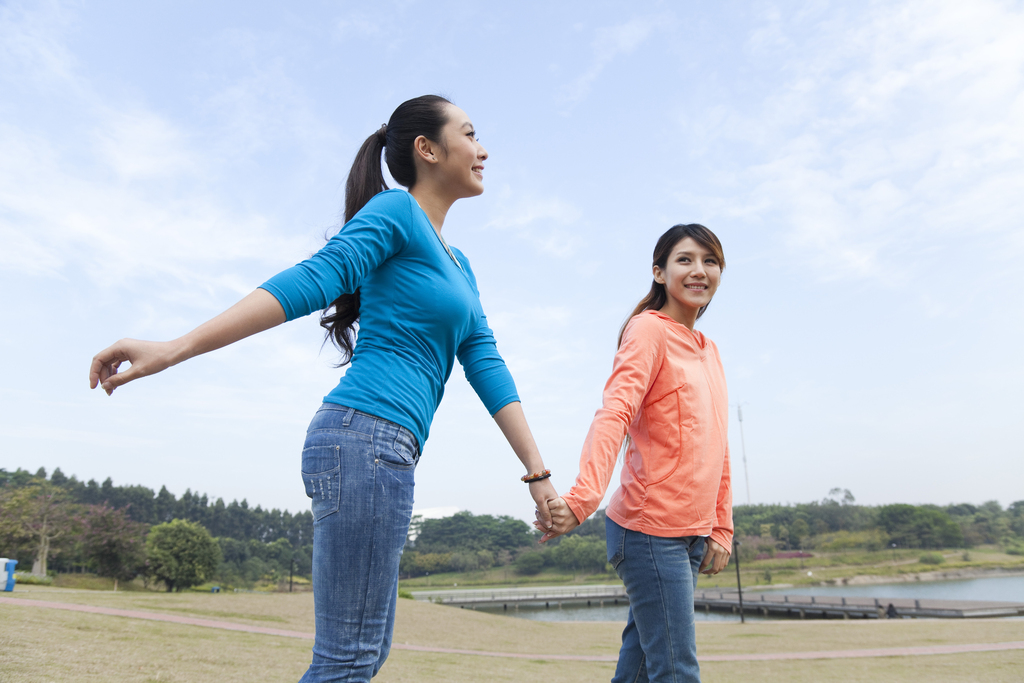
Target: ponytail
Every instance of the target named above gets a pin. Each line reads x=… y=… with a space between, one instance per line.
x=657 y=297
x=424 y=116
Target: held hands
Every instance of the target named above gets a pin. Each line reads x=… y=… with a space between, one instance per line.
x=715 y=559
x=563 y=520
x=543 y=493
x=146 y=358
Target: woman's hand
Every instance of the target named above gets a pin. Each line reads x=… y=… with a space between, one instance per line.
x=563 y=520
x=715 y=559
x=543 y=492
x=146 y=358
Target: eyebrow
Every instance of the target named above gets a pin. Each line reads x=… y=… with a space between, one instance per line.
x=692 y=253
x=467 y=123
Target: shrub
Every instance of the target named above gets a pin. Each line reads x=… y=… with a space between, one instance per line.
x=871 y=539
x=1015 y=550
x=529 y=564
x=581 y=552
x=31 y=579
x=932 y=558
x=181 y=554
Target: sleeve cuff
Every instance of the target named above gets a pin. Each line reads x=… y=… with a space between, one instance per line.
x=722 y=537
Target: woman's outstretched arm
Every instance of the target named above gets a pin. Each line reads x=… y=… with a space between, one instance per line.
x=512 y=421
x=258 y=311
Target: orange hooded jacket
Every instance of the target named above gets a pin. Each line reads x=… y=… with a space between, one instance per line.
x=667 y=390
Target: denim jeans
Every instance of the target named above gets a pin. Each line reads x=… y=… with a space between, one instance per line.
x=358 y=470
x=659 y=643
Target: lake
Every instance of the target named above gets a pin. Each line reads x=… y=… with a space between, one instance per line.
x=999 y=588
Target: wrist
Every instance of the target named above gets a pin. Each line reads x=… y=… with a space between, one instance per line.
x=533 y=464
x=181 y=349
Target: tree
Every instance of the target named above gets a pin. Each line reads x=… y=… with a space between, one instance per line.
x=581 y=552
x=181 y=554
x=114 y=543
x=465 y=531
x=38 y=514
x=919 y=527
x=529 y=563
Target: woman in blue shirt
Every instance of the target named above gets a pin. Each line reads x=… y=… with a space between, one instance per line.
x=418 y=308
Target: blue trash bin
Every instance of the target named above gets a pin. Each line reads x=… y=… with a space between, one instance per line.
x=7 y=573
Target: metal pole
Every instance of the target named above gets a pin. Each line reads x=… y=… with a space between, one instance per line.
x=291 y=574
x=739 y=585
x=743 y=444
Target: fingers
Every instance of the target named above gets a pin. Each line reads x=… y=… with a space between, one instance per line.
x=563 y=519
x=104 y=364
x=721 y=560
x=544 y=515
x=116 y=379
x=549 y=532
x=715 y=559
x=543 y=492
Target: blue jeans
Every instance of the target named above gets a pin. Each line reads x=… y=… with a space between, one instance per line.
x=659 y=643
x=358 y=469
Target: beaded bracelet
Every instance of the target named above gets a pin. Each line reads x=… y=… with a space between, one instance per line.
x=536 y=476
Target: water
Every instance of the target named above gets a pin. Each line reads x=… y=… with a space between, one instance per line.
x=998 y=588
x=606 y=613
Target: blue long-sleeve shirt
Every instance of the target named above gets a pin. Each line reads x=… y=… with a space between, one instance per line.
x=418 y=311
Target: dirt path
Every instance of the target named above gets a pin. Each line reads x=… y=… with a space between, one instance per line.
x=773 y=656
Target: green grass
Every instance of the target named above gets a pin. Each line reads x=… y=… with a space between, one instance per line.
x=41 y=645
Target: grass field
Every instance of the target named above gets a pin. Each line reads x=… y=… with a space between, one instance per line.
x=43 y=645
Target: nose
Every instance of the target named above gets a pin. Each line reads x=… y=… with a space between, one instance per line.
x=698 y=269
x=481 y=153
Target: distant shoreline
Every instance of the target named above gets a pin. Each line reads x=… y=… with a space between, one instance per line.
x=919 y=577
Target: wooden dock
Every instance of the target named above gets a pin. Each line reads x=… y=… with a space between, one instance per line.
x=549 y=596
x=756 y=602
x=837 y=607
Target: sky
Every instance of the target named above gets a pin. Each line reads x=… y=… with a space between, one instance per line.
x=862 y=163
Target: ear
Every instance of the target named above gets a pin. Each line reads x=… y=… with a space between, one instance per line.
x=425 y=150
x=659 y=277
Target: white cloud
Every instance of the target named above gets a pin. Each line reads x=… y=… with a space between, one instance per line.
x=545 y=223
x=609 y=43
x=891 y=128
x=31 y=46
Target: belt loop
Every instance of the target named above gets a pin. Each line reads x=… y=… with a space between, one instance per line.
x=348 y=417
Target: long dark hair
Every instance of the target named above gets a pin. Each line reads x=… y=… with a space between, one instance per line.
x=425 y=116
x=657 y=297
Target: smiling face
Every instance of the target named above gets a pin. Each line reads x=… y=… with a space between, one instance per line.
x=460 y=166
x=691 y=276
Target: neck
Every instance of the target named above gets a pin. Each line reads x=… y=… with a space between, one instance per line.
x=682 y=315
x=433 y=203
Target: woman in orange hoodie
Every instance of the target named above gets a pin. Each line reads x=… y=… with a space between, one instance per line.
x=671 y=517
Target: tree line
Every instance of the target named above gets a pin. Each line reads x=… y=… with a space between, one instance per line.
x=467 y=542
x=64 y=524
x=61 y=524
x=838 y=523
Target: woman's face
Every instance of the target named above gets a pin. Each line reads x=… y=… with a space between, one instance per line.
x=691 y=276
x=461 y=170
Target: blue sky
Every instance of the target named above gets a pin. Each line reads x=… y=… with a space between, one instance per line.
x=861 y=162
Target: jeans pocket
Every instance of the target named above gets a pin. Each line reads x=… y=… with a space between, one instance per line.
x=402 y=453
x=615 y=540
x=321 y=475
